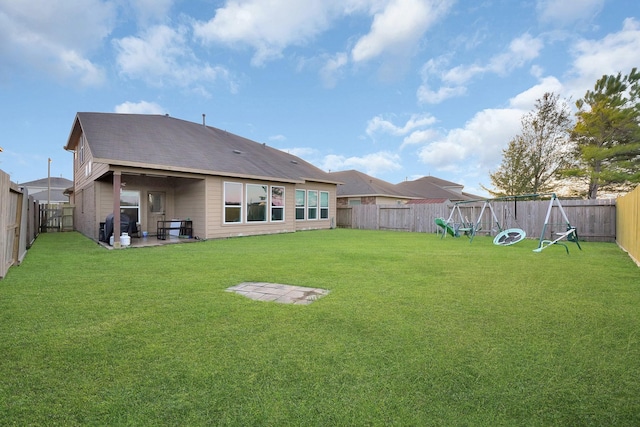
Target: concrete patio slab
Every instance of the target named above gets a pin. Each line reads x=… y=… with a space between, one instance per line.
x=277 y=292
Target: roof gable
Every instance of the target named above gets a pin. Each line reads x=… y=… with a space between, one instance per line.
x=164 y=142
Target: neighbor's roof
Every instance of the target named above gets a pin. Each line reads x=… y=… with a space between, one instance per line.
x=427 y=189
x=426 y=201
x=358 y=184
x=166 y=143
x=56 y=182
x=56 y=195
x=439 y=182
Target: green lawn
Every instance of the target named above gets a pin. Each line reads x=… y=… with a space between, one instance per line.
x=416 y=331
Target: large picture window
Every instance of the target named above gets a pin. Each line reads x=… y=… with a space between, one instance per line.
x=324 y=205
x=300 y=204
x=257 y=198
x=232 y=202
x=312 y=205
x=130 y=204
x=277 y=203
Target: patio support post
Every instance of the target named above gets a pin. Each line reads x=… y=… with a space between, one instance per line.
x=117 y=180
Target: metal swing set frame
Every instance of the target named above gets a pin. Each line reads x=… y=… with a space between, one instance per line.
x=462 y=225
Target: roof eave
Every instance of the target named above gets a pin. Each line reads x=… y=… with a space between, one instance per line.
x=165 y=168
x=75 y=129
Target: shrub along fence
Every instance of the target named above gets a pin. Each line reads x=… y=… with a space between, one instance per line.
x=595 y=220
x=628 y=224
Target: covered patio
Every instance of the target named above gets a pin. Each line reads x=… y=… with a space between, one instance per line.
x=149 y=241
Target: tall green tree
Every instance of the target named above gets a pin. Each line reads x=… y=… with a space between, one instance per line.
x=533 y=159
x=607 y=134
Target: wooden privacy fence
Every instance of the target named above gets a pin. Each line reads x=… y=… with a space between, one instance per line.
x=56 y=218
x=21 y=221
x=628 y=224
x=13 y=241
x=595 y=220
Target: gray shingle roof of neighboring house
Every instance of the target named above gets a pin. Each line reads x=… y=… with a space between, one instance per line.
x=427 y=188
x=166 y=143
x=55 y=196
x=56 y=182
x=426 y=201
x=440 y=182
x=48 y=189
x=358 y=184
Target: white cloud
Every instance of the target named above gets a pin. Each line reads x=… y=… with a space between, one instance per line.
x=151 y=11
x=267 y=27
x=525 y=101
x=162 y=56
x=398 y=27
x=419 y=137
x=55 y=37
x=277 y=138
x=475 y=147
x=521 y=50
x=427 y=96
x=371 y=164
x=333 y=69
x=616 y=52
x=271 y=27
x=380 y=125
x=142 y=107
x=566 y=12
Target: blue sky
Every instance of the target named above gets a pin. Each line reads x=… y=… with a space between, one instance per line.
x=397 y=89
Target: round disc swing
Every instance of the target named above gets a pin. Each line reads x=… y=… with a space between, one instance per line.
x=510 y=236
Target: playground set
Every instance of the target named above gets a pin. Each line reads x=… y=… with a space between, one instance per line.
x=457 y=224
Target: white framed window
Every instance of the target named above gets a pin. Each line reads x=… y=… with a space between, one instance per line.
x=312 y=204
x=324 y=205
x=81 y=150
x=301 y=197
x=130 y=204
x=257 y=199
x=232 y=202
x=277 y=203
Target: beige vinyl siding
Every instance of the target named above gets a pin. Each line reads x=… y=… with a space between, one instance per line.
x=85 y=173
x=189 y=203
x=104 y=200
x=316 y=224
x=382 y=200
x=213 y=207
x=216 y=228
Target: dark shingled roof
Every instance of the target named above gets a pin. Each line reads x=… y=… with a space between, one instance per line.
x=53 y=195
x=427 y=189
x=356 y=183
x=166 y=143
x=56 y=182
